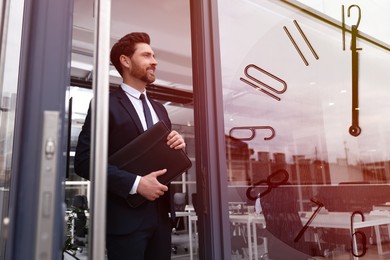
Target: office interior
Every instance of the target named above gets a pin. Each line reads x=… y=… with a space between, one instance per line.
x=289 y=144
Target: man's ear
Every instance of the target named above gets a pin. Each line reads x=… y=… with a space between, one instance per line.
x=125 y=61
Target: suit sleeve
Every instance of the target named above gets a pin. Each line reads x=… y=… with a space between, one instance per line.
x=119 y=182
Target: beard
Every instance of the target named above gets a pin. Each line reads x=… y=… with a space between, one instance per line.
x=143 y=74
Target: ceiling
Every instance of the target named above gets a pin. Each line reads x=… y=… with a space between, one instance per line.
x=167 y=23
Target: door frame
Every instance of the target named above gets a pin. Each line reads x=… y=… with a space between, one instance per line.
x=44 y=76
x=214 y=226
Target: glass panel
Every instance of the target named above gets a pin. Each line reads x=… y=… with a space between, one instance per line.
x=306 y=132
x=173 y=88
x=11 y=22
x=78 y=188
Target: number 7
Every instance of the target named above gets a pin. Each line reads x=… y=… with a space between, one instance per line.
x=320 y=205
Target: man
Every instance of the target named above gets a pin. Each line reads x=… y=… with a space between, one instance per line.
x=143 y=232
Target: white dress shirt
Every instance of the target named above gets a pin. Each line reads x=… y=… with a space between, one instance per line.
x=134 y=96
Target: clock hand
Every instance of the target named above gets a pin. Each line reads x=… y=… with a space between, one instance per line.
x=354 y=128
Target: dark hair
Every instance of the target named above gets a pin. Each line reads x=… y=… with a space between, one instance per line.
x=126 y=46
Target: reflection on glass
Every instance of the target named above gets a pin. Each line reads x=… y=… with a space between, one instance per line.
x=372 y=17
x=10 y=36
x=332 y=174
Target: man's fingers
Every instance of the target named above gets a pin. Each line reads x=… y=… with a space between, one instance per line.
x=162 y=188
x=159 y=192
x=178 y=145
x=172 y=134
x=160 y=172
x=175 y=140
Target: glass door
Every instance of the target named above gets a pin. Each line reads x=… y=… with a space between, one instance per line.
x=173 y=88
x=305 y=113
x=34 y=77
x=9 y=62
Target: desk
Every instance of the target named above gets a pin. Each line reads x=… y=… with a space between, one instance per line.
x=340 y=220
x=343 y=220
x=251 y=221
x=192 y=218
x=331 y=220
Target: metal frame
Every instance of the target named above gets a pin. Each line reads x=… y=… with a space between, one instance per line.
x=214 y=229
x=43 y=80
x=99 y=142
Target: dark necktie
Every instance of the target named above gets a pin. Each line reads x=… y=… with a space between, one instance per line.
x=148 y=115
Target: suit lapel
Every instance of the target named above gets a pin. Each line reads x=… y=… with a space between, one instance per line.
x=158 y=107
x=126 y=103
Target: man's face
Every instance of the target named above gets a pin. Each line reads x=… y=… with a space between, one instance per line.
x=143 y=63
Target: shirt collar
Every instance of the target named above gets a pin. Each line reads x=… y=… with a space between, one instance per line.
x=132 y=91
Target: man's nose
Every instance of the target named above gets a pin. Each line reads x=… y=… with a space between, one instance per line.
x=154 y=61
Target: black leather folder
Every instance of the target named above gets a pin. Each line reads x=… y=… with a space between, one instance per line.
x=149 y=152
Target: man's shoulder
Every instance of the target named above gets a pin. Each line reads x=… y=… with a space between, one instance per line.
x=116 y=93
x=115 y=90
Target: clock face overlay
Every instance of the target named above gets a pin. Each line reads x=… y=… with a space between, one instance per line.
x=306 y=103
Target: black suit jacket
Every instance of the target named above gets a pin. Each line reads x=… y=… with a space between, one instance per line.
x=124 y=126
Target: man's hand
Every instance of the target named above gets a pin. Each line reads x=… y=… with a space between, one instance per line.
x=175 y=140
x=149 y=187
